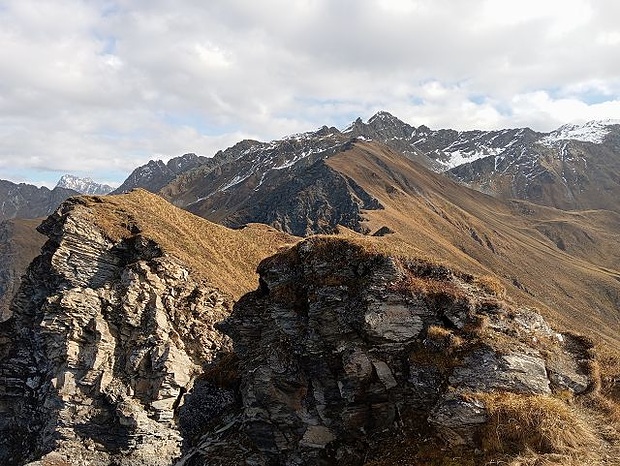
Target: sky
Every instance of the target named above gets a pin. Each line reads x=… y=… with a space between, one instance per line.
x=98 y=87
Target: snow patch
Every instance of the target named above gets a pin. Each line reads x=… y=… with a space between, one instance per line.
x=458 y=157
x=592 y=131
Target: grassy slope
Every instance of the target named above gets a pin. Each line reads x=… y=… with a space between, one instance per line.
x=226 y=258
x=577 y=288
x=16 y=254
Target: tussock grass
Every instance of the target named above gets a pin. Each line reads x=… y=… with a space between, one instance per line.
x=537 y=423
x=444 y=339
x=491 y=285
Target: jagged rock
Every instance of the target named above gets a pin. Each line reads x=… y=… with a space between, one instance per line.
x=339 y=350
x=83 y=185
x=104 y=344
x=156 y=174
x=384 y=230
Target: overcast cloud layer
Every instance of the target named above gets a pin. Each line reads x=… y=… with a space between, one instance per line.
x=97 y=87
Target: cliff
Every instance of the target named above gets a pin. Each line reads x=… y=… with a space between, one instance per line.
x=111 y=328
x=123 y=347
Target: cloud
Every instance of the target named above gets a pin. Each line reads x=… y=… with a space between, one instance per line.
x=97 y=87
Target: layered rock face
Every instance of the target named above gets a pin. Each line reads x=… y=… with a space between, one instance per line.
x=104 y=341
x=341 y=347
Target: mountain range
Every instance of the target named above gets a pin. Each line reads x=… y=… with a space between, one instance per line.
x=460 y=301
x=572 y=168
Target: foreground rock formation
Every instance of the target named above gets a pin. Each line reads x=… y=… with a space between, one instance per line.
x=105 y=339
x=116 y=351
x=343 y=347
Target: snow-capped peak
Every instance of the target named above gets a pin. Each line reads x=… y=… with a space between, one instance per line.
x=83 y=185
x=384 y=117
x=592 y=131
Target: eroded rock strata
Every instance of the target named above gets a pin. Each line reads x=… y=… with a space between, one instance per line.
x=343 y=347
x=105 y=339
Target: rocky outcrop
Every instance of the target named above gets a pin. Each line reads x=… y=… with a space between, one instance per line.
x=343 y=347
x=156 y=174
x=105 y=340
x=316 y=201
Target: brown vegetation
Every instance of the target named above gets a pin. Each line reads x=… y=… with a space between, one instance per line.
x=224 y=257
x=539 y=423
x=576 y=287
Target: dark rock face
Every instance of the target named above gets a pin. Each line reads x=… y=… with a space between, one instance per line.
x=103 y=343
x=341 y=347
x=156 y=174
x=28 y=201
x=282 y=183
x=315 y=202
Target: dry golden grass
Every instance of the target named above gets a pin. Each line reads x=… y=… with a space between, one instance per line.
x=444 y=339
x=491 y=285
x=538 y=423
x=224 y=257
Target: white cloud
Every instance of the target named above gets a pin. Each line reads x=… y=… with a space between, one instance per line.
x=100 y=85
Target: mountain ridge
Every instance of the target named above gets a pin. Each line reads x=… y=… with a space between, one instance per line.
x=121 y=350
x=28 y=201
x=563 y=168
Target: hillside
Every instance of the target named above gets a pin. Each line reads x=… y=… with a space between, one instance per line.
x=565 y=262
x=20 y=243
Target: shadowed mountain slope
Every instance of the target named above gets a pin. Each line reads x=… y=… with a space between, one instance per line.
x=19 y=244
x=28 y=201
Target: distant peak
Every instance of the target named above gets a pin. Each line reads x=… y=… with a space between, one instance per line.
x=593 y=131
x=379 y=119
x=83 y=185
x=382 y=116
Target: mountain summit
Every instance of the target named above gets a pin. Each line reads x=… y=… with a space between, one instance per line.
x=83 y=185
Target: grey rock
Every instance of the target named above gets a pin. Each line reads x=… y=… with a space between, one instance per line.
x=333 y=360
x=486 y=370
x=104 y=344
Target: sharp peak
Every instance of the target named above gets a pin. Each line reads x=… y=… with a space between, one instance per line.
x=383 y=115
